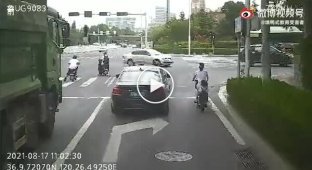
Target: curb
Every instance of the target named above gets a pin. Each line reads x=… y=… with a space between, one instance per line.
x=263 y=149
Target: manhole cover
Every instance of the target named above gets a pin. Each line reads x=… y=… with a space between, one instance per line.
x=173 y=156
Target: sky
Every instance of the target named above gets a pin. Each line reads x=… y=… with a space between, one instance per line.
x=131 y=6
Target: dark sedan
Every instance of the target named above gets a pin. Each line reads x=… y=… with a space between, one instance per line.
x=125 y=95
x=276 y=56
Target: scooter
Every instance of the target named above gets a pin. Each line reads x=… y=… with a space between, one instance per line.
x=103 y=71
x=72 y=75
x=202 y=99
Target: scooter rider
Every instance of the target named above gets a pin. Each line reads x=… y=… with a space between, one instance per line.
x=72 y=65
x=106 y=61
x=200 y=75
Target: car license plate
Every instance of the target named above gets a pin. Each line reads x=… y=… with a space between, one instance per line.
x=134 y=94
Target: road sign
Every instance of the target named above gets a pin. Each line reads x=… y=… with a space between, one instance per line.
x=238 y=24
x=71 y=14
x=88 y=14
x=122 y=13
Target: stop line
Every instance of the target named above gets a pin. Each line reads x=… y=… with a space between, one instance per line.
x=108 y=82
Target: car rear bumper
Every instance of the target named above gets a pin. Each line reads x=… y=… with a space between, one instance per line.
x=134 y=104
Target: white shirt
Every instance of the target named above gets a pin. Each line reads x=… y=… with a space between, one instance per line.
x=73 y=63
x=201 y=75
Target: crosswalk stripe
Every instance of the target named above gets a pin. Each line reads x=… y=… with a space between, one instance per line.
x=89 y=82
x=108 y=80
x=70 y=83
x=111 y=82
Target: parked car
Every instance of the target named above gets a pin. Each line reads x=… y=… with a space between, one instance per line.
x=147 y=56
x=276 y=56
x=126 y=97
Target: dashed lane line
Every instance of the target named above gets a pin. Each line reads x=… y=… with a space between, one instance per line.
x=71 y=82
x=108 y=80
x=73 y=143
x=89 y=82
x=111 y=82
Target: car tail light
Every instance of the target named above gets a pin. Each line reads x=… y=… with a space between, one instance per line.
x=117 y=91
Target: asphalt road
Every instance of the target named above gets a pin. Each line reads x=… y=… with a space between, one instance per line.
x=85 y=123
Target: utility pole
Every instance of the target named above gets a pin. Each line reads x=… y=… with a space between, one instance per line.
x=247 y=43
x=168 y=11
x=265 y=54
x=145 y=30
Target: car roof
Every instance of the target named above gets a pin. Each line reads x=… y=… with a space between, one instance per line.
x=139 y=68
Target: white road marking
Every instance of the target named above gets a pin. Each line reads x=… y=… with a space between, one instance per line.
x=108 y=80
x=181 y=86
x=111 y=82
x=89 y=82
x=227 y=124
x=73 y=143
x=173 y=156
x=70 y=83
x=112 y=148
x=73 y=97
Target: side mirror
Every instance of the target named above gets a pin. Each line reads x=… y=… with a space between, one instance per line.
x=117 y=75
x=66 y=31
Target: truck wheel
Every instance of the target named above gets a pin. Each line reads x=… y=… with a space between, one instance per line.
x=46 y=128
x=6 y=139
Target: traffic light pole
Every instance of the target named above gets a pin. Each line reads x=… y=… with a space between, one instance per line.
x=117 y=14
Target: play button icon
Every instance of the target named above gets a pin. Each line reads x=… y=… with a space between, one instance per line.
x=155 y=85
x=155 y=90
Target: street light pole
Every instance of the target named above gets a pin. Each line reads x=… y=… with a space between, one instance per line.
x=189 y=31
x=145 y=30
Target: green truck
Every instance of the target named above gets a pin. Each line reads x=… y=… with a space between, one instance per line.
x=32 y=39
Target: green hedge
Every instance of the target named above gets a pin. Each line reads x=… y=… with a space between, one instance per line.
x=218 y=51
x=281 y=113
x=196 y=44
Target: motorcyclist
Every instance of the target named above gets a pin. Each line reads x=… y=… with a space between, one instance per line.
x=200 y=75
x=72 y=66
x=106 y=61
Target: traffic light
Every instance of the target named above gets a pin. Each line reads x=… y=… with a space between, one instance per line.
x=72 y=14
x=88 y=14
x=104 y=13
x=122 y=13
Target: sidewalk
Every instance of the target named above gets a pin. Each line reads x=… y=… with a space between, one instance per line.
x=263 y=149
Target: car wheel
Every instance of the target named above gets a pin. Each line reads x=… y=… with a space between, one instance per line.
x=130 y=63
x=156 y=62
x=115 y=110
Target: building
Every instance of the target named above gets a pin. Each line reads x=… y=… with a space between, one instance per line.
x=198 y=5
x=160 y=15
x=121 y=22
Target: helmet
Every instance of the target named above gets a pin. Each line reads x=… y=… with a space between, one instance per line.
x=201 y=65
x=75 y=57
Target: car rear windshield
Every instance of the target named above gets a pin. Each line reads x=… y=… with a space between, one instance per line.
x=133 y=76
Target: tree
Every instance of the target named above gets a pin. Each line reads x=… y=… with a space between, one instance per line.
x=73 y=26
x=178 y=30
x=85 y=30
x=202 y=24
x=231 y=10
